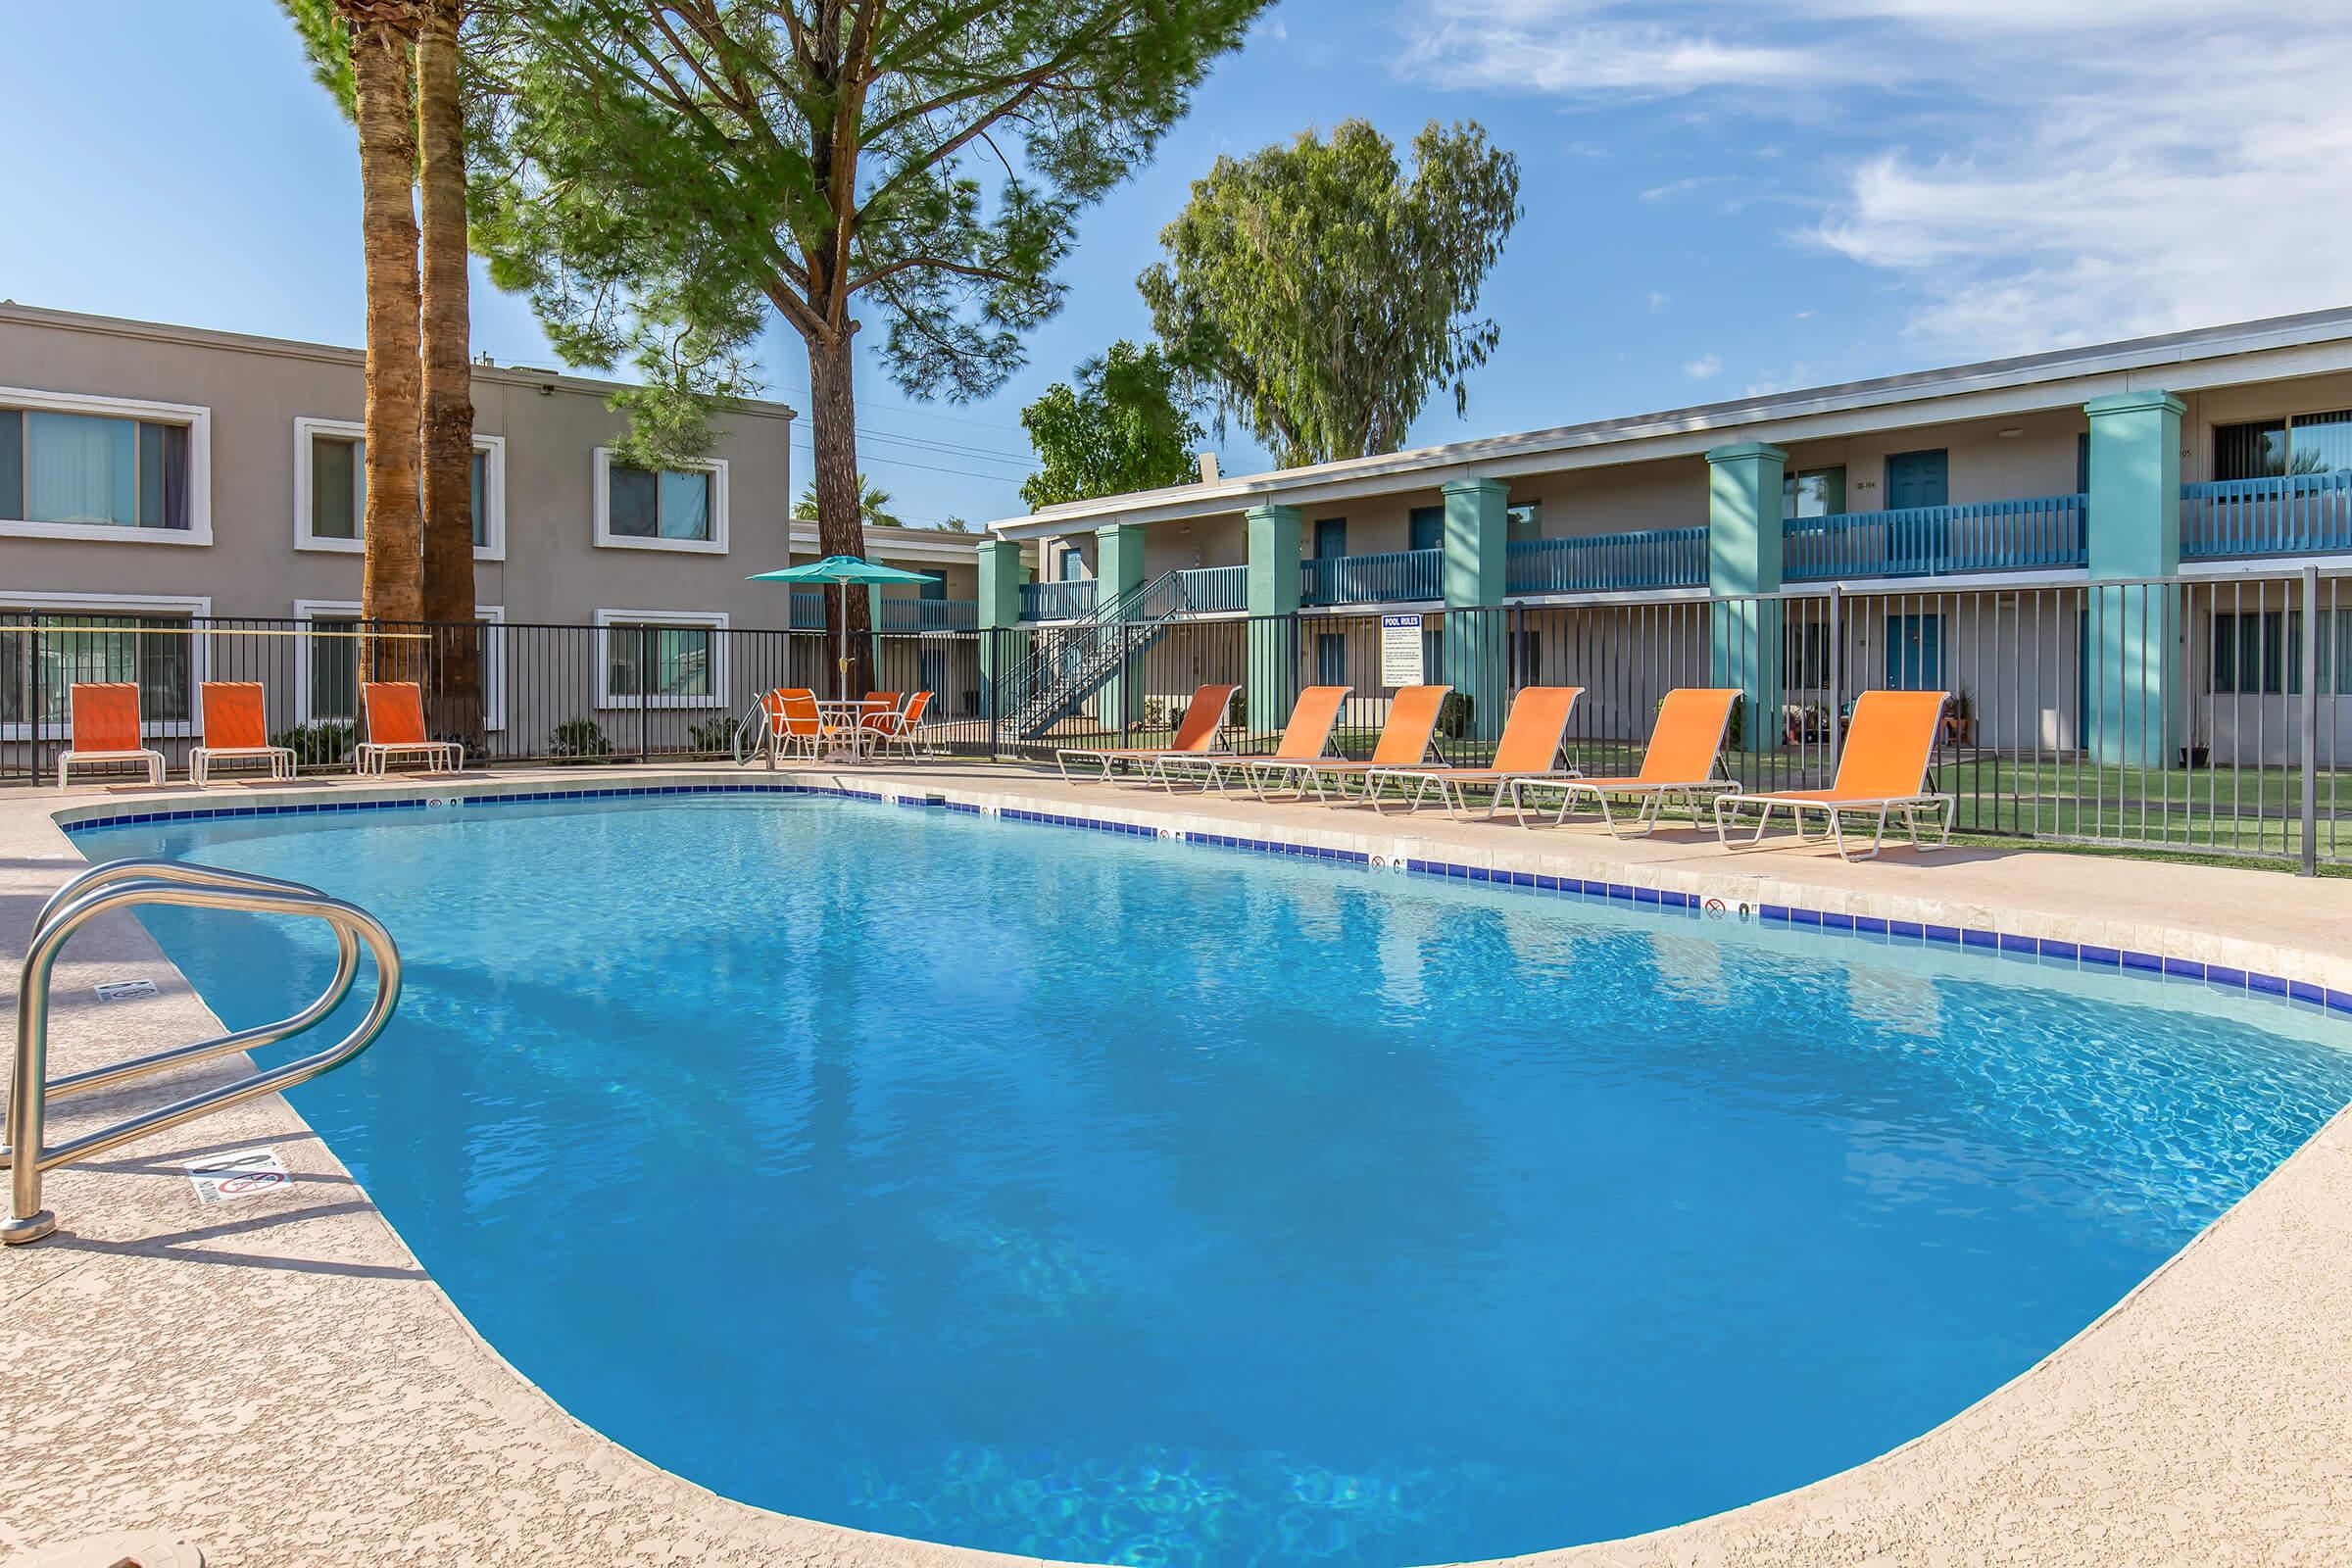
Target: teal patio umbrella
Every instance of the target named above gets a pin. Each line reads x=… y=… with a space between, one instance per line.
x=841 y=572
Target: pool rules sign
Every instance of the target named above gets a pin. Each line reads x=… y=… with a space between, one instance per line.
x=1400 y=651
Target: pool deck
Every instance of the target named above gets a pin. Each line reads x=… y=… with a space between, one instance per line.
x=276 y=1381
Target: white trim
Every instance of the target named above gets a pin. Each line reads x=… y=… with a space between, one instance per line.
x=494 y=673
x=196 y=606
x=197 y=419
x=714 y=619
x=493 y=491
x=600 y=476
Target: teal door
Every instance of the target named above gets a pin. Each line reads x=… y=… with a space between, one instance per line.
x=1918 y=545
x=1331 y=658
x=1915 y=652
x=1428 y=528
x=1330 y=537
x=1918 y=479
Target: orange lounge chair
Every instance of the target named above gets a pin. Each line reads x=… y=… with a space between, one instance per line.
x=794 y=722
x=236 y=729
x=395 y=712
x=106 y=729
x=1305 y=739
x=1685 y=745
x=1882 y=770
x=1530 y=749
x=897 y=729
x=1403 y=743
x=1196 y=733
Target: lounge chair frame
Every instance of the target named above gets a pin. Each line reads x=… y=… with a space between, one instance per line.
x=1835 y=806
x=1217 y=770
x=202 y=757
x=374 y=758
x=1143 y=758
x=1652 y=794
x=147 y=755
x=1303 y=772
x=1453 y=783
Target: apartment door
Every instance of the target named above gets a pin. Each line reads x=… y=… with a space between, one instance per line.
x=1918 y=546
x=1428 y=528
x=1330 y=537
x=1331 y=658
x=1918 y=479
x=1915 y=652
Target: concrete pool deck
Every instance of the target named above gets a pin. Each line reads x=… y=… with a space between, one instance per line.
x=278 y=1382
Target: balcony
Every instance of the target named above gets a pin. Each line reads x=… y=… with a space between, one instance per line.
x=2294 y=513
x=1934 y=541
x=1217 y=588
x=1602 y=562
x=1394 y=576
x=1059 y=601
x=893 y=615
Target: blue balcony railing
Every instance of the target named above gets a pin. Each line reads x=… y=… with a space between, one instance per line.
x=1217 y=587
x=1385 y=578
x=1929 y=541
x=2294 y=513
x=892 y=612
x=1059 y=601
x=1653 y=557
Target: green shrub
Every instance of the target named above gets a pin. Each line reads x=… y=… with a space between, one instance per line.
x=1156 y=712
x=1454 y=715
x=318 y=745
x=712 y=735
x=578 y=737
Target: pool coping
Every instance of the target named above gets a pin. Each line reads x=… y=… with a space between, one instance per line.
x=1822 y=1521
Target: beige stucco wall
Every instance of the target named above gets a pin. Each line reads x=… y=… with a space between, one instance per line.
x=257 y=388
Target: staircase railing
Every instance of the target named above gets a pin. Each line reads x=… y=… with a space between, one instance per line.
x=1068 y=662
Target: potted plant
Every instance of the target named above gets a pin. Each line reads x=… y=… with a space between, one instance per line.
x=1960 y=718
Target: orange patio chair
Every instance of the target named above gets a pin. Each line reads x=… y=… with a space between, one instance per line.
x=795 y=723
x=1306 y=737
x=862 y=731
x=395 y=714
x=236 y=728
x=1403 y=742
x=106 y=729
x=1530 y=749
x=1685 y=745
x=1196 y=733
x=897 y=729
x=1883 y=770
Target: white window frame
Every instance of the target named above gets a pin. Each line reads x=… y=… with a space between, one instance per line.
x=199 y=656
x=714 y=619
x=494 y=654
x=494 y=490
x=199 y=423
x=599 y=488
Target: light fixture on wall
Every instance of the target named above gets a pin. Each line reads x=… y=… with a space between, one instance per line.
x=2011 y=433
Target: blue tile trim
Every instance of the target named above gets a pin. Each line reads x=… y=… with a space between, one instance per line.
x=2046 y=949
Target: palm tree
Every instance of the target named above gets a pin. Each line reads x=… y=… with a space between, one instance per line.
x=382 y=38
x=874 y=506
x=447 y=437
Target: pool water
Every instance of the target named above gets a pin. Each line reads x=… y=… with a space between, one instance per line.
x=1112 y=1198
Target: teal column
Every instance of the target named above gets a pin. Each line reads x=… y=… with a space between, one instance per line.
x=1000 y=611
x=1744 y=557
x=1477 y=658
x=2131 y=529
x=1270 y=682
x=1119 y=570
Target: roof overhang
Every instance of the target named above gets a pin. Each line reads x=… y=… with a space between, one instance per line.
x=2285 y=347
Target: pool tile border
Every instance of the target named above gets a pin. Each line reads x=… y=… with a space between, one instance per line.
x=1992 y=943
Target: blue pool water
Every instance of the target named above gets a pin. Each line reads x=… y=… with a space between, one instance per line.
x=1109 y=1198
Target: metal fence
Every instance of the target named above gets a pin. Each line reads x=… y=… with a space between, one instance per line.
x=2206 y=715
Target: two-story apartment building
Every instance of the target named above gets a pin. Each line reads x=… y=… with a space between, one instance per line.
x=154 y=476
x=2203 y=453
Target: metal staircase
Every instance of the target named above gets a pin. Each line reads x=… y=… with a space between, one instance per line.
x=1069 y=662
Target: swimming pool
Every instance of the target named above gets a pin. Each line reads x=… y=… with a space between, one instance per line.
x=1104 y=1198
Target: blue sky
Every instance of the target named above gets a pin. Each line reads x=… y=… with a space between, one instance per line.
x=1719 y=198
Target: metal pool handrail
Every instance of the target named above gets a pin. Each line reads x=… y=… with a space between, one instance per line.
x=122 y=884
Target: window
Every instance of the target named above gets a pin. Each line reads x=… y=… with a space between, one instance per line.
x=1813 y=493
x=1330 y=537
x=1806 y=656
x=660 y=658
x=83 y=467
x=145 y=639
x=2260 y=653
x=933 y=587
x=1425 y=529
x=676 y=509
x=1331 y=658
x=1432 y=652
x=1523 y=521
x=2082 y=463
x=2307 y=443
x=326 y=674
x=330 y=489
x=1526 y=656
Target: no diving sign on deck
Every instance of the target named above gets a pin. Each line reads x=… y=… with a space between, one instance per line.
x=1400 y=651
x=225 y=1178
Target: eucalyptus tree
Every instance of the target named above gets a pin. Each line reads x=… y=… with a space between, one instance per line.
x=1321 y=294
x=667 y=179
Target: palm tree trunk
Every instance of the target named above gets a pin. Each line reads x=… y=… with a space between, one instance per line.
x=392 y=587
x=447 y=463
x=840 y=530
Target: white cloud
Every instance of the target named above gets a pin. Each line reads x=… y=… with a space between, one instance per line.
x=1657 y=301
x=2030 y=171
x=1703 y=368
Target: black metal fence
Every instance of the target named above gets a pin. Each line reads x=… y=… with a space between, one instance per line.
x=2206 y=715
